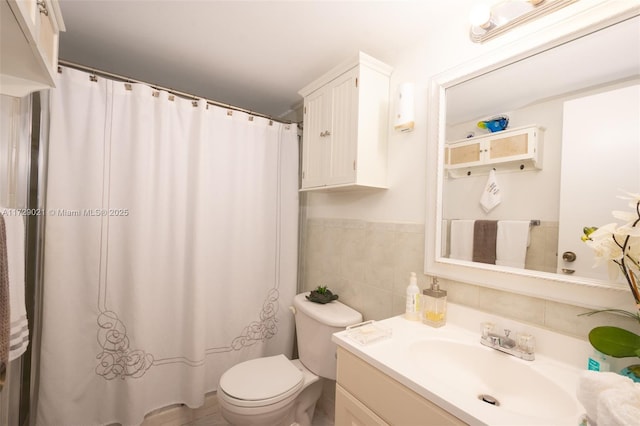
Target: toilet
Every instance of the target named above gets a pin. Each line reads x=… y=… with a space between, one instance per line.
x=276 y=391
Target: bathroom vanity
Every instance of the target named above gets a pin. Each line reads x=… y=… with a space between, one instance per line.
x=444 y=376
x=359 y=388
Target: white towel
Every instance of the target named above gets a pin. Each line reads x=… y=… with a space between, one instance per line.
x=593 y=384
x=462 y=239
x=619 y=406
x=512 y=241
x=444 y=238
x=19 y=332
x=491 y=196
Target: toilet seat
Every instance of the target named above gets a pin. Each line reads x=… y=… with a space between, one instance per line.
x=261 y=381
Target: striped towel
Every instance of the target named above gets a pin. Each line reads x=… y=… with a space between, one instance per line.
x=5 y=315
x=19 y=328
x=18 y=334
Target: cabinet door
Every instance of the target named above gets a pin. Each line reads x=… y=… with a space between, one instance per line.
x=465 y=154
x=344 y=119
x=28 y=45
x=385 y=397
x=510 y=147
x=351 y=412
x=316 y=142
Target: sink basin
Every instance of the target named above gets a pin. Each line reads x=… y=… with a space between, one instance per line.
x=475 y=370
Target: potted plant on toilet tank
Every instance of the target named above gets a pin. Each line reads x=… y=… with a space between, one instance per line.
x=619 y=246
x=321 y=295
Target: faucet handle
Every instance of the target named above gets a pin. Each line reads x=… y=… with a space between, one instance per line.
x=507 y=332
x=526 y=343
x=487 y=328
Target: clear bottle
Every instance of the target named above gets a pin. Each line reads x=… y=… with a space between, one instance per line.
x=434 y=302
x=598 y=362
x=413 y=309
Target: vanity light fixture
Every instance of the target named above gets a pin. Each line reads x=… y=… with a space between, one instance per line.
x=490 y=21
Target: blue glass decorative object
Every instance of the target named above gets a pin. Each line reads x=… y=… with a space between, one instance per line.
x=495 y=124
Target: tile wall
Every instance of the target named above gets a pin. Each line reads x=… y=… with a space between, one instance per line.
x=368 y=265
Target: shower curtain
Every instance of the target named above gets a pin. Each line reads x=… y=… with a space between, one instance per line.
x=170 y=251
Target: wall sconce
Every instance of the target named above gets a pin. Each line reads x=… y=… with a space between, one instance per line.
x=488 y=22
x=405 y=114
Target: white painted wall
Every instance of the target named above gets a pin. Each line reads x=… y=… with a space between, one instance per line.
x=417 y=62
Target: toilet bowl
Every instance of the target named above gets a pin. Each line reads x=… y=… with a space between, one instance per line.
x=276 y=391
x=269 y=391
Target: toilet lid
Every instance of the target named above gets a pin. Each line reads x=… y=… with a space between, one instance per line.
x=262 y=379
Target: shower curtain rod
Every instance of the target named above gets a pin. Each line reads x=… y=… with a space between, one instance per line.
x=166 y=89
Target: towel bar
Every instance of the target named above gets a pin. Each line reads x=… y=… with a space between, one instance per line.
x=533 y=222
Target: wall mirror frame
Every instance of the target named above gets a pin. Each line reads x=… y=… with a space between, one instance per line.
x=582 y=18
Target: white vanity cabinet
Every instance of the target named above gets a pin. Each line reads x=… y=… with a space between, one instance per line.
x=345 y=127
x=366 y=396
x=518 y=148
x=29 y=31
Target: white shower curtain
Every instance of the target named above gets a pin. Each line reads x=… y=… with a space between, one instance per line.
x=171 y=249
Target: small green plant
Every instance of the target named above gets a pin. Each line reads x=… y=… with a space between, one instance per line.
x=321 y=295
x=321 y=289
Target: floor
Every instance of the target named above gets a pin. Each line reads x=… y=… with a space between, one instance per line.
x=207 y=415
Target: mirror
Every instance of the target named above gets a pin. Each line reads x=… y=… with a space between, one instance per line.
x=545 y=89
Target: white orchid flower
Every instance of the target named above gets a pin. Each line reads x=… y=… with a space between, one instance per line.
x=630 y=227
x=603 y=245
x=619 y=245
x=634 y=197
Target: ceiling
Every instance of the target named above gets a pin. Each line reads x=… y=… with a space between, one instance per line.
x=251 y=54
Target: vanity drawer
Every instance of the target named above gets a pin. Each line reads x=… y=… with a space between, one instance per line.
x=350 y=411
x=387 y=398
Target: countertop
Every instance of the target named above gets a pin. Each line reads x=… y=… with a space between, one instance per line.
x=559 y=358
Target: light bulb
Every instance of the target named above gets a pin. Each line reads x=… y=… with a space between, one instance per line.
x=480 y=16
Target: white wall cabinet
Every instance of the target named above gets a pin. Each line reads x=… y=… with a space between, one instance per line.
x=346 y=115
x=367 y=396
x=519 y=148
x=29 y=31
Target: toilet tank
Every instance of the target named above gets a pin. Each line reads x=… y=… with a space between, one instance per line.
x=315 y=323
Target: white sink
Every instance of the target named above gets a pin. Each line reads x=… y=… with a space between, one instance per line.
x=450 y=368
x=475 y=370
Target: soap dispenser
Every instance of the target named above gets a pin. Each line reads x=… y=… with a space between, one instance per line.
x=434 y=302
x=413 y=299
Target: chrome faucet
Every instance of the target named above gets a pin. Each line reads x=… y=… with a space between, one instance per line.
x=522 y=349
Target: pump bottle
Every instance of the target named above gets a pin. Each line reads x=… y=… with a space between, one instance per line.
x=413 y=308
x=435 y=305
